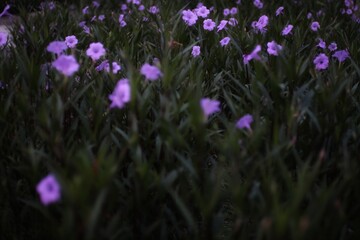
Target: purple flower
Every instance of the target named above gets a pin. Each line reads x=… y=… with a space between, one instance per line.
x=279 y=11
x=67 y=65
x=56 y=47
x=273 y=48
x=71 y=41
x=341 y=55
x=226 y=12
x=258 y=4
x=321 y=44
x=49 y=190
x=253 y=55
x=195 y=51
x=233 y=11
x=321 y=62
x=5 y=11
x=115 y=67
x=3 y=38
x=333 y=46
x=245 y=122
x=209 y=24
x=222 y=25
x=122 y=21
x=141 y=8
x=95 y=51
x=102 y=65
x=233 y=22
x=202 y=11
x=315 y=26
x=262 y=23
x=225 y=41
x=309 y=15
x=150 y=72
x=101 y=17
x=287 y=29
x=85 y=10
x=154 y=9
x=121 y=94
x=189 y=17
x=209 y=106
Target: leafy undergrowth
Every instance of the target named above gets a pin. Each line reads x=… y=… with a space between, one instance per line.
x=148 y=124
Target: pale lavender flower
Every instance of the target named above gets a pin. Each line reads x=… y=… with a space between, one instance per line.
x=209 y=24
x=189 y=17
x=67 y=65
x=57 y=47
x=287 y=30
x=195 y=51
x=101 y=17
x=104 y=64
x=202 y=11
x=253 y=55
x=245 y=122
x=209 y=106
x=85 y=10
x=96 y=4
x=222 y=25
x=341 y=55
x=258 y=4
x=115 y=67
x=49 y=190
x=279 y=11
x=321 y=62
x=273 y=48
x=321 y=44
x=95 y=51
x=233 y=11
x=71 y=41
x=262 y=23
x=315 y=26
x=309 y=15
x=225 y=41
x=154 y=10
x=233 y=22
x=332 y=47
x=150 y=72
x=226 y=12
x=3 y=38
x=121 y=20
x=121 y=94
x=141 y=8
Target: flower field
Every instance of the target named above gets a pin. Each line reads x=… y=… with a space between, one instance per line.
x=180 y=119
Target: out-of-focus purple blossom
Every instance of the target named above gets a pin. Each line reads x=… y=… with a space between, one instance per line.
x=96 y=51
x=253 y=55
x=273 y=48
x=225 y=41
x=309 y=15
x=233 y=11
x=124 y=7
x=262 y=23
x=315 y=26
x=96 y=4
x=341 y=55
x=258 y=4
x=57 y=47
x=141 y=8
x=115 y=67
x=209 y=106
x=195 y=51
x=67 y=65
x=226 y=12
x=189 y=17
x=321 y=62
x=233 y=22
x=202 y=11
x=321 y=44
x=93 y=18
x=5 y=11
x=3 y=38
x=86 y=29
x=245 y=122
x=71 y=41
x=150 y=72
x=153 y=10
x=102 y=65
x=49 y=190
x=101 y=17
x=121 y=94
x=82 y=24
x=209 y=24
x=85 y=10
x=279 y=11
x=222 y=25
x=287 y=30
x=332 y=46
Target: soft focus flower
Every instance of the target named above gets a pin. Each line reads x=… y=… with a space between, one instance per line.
x=57 y=47
x=262 y=23
x=150 y=72
x=258 y=4
x=315 y=26
x=279 y=11
x=67 y=65
x=115 y=67
x=71 y=41
x=121 y=94
x=101 y=17
x=225 y=41
x=233 y=22
x=189 y=17
x=5 y=11
x=321 y=62
x=341 y=55
x=226 y=12
x=333 y=46
x=121 y=20
x=273 y=48
x=321 y=44
x=287 y=29
x=209 y=106
x=195 y=51
x=95 y=51
x=222 y=25
x=3 y=38
x=154 y=10
x=209 y=24
x=253 y=55
x=49 y=190
x=202 y=11
x=245 y=122
x=233 y=11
